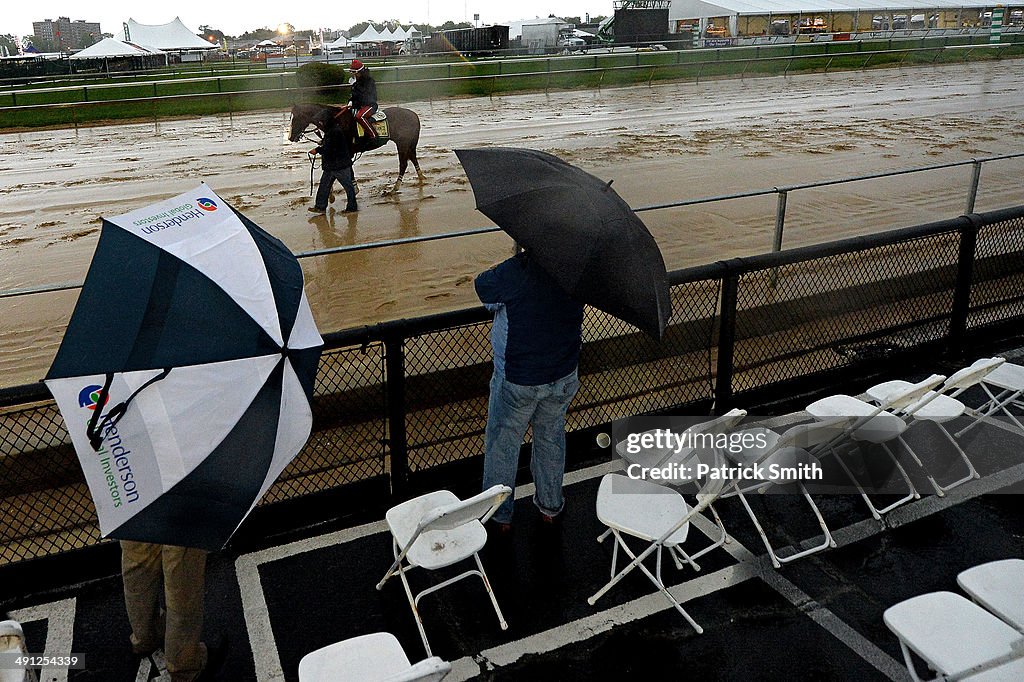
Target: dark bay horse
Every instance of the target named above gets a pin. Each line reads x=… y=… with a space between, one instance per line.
x=403 y=126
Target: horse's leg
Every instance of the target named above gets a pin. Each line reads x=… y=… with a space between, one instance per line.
x=403 y=163
x=416 y=165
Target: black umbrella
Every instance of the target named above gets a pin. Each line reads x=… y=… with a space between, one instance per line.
x=576 y=228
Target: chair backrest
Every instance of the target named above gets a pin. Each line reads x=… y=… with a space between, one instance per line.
x=723 y=424
x=913 y=393
x=963 y=379
x=477 y=508
x=431 y=669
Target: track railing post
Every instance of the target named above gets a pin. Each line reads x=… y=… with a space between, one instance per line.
x=394 y=362
x=726 y=341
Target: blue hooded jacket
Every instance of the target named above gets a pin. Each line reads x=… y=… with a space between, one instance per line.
x=537 y=326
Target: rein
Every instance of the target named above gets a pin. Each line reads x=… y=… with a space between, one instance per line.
x=310 y=155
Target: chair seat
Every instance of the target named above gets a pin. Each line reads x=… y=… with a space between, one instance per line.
x=641 y=508
x=951 y=633
x=436 y=548
x=999 y=587
x=881 y=428
x=748 y=455
x=370 y=658
x=939 y=407
x=1006 y=376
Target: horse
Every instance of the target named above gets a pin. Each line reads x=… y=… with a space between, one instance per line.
x=403 y=127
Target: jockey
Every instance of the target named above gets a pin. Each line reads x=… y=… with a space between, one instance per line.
x=364 y=96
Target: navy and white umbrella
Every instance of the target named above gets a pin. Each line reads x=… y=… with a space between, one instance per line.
x=186 y=373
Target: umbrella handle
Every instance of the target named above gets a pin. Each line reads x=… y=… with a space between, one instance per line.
x=96 y=424
x=91 y=429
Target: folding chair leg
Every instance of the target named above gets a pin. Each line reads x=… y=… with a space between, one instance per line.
x=995 y=404
x=490 y=592
x=876 y=512
x=415 y=609
x=653 y=577
x=971 y=471
x=394 y=566
x=931 y=479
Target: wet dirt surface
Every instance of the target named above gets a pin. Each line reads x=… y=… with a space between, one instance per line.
x=659 y=144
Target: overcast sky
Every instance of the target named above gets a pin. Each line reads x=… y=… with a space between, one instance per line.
x=235 y=16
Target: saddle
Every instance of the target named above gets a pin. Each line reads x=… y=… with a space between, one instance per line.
x=363 y=143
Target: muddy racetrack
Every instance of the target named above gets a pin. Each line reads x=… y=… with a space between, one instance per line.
x=660 y=144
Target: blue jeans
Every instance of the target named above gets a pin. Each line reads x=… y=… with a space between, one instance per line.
x=347 y=180
x=511 y=409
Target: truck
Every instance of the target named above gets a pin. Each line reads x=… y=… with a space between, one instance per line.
x=482 y=41
x=543 y=35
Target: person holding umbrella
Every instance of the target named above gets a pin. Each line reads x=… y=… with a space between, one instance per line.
x=583 y=245
x=183 y=571
x=536 y=337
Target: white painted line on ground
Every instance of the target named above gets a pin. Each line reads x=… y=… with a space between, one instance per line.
x=266 y=658
x=602 y=621
x=829 y=621
x=60 y=630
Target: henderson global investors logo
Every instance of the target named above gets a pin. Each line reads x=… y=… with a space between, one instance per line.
x=113 y=455
x=173 y=217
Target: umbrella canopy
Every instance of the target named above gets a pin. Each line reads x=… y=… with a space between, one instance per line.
x=187 y=369
x=576 y=228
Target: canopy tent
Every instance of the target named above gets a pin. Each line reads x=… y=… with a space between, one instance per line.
x=370 y=35
x=267 y=43
x=111 y=47
x=387 y=35
x=399 y=34
x=340 y=41
x=172 y=36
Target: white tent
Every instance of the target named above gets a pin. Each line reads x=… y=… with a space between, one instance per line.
x=340 y=41
x=387 y=35
x=370 y=35
x=111 y=47
x=400 y=34
x=172 y=36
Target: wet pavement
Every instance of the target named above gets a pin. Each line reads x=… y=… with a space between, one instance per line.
x=818 y=618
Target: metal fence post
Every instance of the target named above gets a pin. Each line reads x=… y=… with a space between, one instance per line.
x=780 y=218
x=972 y=193
x=726 y=342
x=394 y=357
x=962 y=290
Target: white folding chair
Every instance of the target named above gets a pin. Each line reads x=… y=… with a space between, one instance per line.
x=999 y=587
x=788 y=451
x=685 y=460
x=955 y=637
x=1008 y=380
x=436 y=530
x=656 y=514
x=377 y=657
x=12 y=643
x=874 y=424
x=938 y=407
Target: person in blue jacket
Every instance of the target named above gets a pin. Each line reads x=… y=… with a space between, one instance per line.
x=536 y=338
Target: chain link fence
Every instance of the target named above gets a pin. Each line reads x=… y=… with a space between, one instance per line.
x=402 y=397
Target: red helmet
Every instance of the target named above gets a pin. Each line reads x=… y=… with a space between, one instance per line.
x=356 y=66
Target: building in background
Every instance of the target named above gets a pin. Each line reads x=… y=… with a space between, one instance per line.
x=64 y=35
